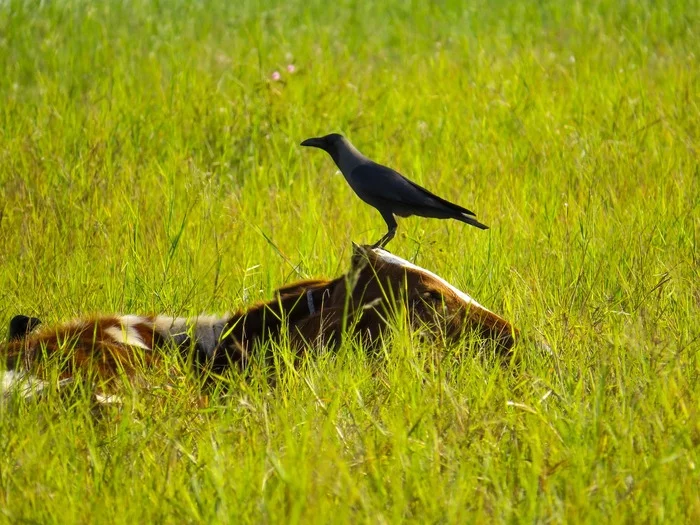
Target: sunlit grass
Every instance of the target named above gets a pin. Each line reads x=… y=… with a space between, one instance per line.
x=149 y=162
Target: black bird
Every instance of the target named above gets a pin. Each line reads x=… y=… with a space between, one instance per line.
x=387 y=190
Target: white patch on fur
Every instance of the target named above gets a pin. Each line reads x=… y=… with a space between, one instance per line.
x=169 y=326
x=127 y=334
x=390 y=258
x=204 y=330
x=25 y=385
x=107 y=399
x=28 y=387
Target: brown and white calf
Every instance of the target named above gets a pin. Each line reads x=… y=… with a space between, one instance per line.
x=309 y=314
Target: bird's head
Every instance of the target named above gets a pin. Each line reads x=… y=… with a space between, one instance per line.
x=328 y=143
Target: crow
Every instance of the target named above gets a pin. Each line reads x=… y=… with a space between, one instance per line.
x=387 y=190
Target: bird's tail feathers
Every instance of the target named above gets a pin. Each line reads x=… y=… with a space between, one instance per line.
x=472 y=221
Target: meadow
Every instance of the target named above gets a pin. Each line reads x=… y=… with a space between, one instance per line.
x=150 y=162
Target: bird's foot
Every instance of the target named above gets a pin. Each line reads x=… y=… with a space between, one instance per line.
x=380 y=245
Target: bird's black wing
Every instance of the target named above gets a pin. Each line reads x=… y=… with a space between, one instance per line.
x=447 y=203
x=374 y=181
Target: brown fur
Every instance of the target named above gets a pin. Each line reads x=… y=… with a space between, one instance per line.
x=81 y=345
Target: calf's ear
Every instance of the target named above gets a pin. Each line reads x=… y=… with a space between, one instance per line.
x=358 y=251
x=21 y=325
x=361 y=255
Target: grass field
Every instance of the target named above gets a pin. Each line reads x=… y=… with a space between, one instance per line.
x=149 y=162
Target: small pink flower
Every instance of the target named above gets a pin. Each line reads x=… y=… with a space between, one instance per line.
x=291 y=68
x=276 y=76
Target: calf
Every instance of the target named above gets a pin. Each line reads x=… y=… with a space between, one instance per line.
x=308 y=314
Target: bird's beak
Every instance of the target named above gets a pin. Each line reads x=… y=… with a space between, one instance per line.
x=314 y=143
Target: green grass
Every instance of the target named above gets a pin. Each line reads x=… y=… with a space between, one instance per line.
x=146 y=158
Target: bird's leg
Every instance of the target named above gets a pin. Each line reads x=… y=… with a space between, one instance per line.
x=381 y=243
x=392 y=225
